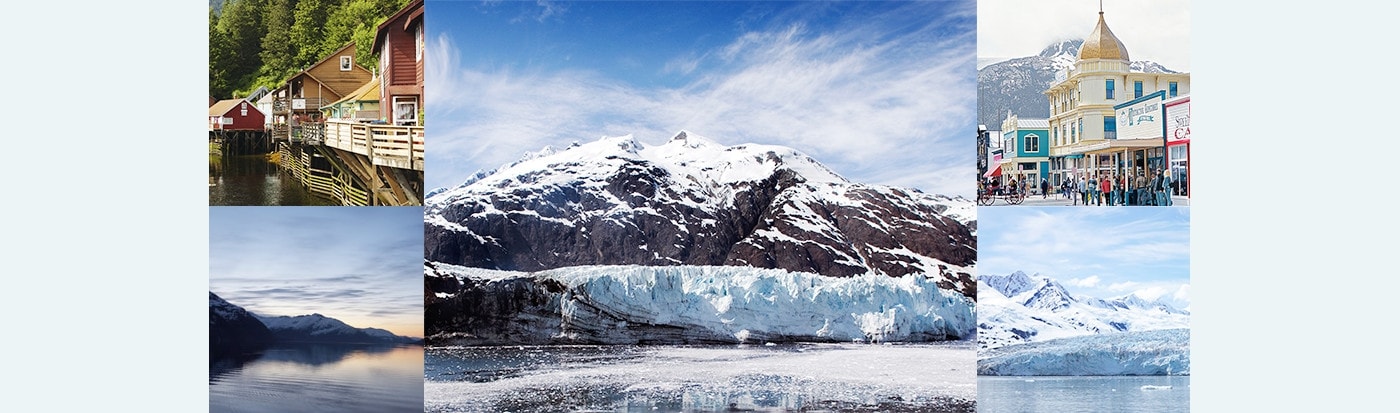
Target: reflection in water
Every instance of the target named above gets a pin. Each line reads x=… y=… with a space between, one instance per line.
x=254 y=180
x=856 y=377
x=1128 y=394
x=320 y=378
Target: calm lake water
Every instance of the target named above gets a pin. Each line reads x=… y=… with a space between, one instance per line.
x=319 y=378
x=1084 y=394
x=254 y=181
x=832 y=377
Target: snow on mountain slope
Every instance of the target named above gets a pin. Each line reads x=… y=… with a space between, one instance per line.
x=692 y=201
x=1157 y=352
x=686 y=304
x=1017 y=308
x=319 y=328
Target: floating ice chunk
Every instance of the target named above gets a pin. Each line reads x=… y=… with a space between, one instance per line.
x=1154 y=387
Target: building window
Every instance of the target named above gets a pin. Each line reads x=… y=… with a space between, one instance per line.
x=1171 y=89
x=1032 y=143
x=1081 y=128
x=1137 y=89
x=1108 y=88
x=345 y=63
x=406 y=111
x=418 y=42
x=243 y=109
x=1110 y=128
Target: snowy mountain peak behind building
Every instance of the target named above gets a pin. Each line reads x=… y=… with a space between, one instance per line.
x=693 y=201
x=1018 y=85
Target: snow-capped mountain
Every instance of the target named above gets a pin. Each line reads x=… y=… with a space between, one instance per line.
x=692 y=201
x=685 y=304
x=1145 y=353
x=232 y=328
x=321 y=329
x=1017 y=308
x=1018 y=85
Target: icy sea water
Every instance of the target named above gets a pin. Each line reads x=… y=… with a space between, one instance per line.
x=815 y=377
x=1060 y=394
x=319 y=378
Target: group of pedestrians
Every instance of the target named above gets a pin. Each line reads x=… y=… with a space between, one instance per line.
x=1105 y=189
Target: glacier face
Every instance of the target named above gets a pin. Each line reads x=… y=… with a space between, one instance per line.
x=691 y=201
x=1144 y=353
x=686 y=304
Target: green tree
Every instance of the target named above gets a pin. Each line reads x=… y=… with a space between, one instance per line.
x=310 y=21
x=241 y=24
x=277 y=48
x=358 y=20
x=219 y=56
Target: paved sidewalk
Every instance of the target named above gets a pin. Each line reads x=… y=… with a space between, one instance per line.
x=1060 y=200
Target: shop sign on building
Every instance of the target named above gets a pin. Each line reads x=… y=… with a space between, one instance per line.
x=1178 y=113
x=1140 y=118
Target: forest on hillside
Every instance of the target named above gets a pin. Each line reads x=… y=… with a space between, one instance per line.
x=256 y=43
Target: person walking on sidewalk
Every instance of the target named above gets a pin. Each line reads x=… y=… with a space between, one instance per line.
x=1044 y=187
x=1140 y=189
x=1106 y=188
x=1164 y=196
x=1094 y=191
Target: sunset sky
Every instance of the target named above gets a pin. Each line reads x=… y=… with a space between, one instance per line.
x=361 y=265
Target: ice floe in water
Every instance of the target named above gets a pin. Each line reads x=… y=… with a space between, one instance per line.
x=863 y=377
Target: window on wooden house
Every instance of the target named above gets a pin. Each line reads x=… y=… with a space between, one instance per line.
x=1137 y=89
x=1032 y=143
x=1108 y=88
x=346 y=63
x=418 y=43
x=406 y=111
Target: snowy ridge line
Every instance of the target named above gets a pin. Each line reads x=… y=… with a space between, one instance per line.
x=1018 y=308
x=689 y=304
x=691 y=201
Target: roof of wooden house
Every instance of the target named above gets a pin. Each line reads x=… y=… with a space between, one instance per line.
x=223 y=106
x=370 y=91
x=331 y=60
x=414 y=12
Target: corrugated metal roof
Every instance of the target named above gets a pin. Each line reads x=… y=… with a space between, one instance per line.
x=368 y=92
x=223 y=106
x=1033 y=123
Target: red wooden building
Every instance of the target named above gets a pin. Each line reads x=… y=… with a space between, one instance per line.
x=399 y=43
x=236 y=115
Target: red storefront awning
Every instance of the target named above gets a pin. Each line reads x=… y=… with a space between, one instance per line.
x=993 y=173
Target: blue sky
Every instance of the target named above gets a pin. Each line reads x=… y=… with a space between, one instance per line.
x=361 y=265
x=881 y=92
x=1098 y=251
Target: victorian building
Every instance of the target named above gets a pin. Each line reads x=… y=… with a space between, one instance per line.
x=1105 y=119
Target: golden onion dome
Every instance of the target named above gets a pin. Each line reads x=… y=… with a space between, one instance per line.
x=1102 y=44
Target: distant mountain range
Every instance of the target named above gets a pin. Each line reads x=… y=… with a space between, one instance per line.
x=233 y=328
x=1017 y=308
x=1018 y=85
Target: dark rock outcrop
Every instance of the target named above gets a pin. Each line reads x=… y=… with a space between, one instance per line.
x=233 y=329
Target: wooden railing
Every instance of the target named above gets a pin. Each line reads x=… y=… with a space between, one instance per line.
x=334 y=184
x=385 y=145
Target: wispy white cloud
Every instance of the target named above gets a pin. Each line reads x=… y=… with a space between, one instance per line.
x=875 y=106
x=1090 y=281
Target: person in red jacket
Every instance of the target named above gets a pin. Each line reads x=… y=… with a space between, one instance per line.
x=1106 y=188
